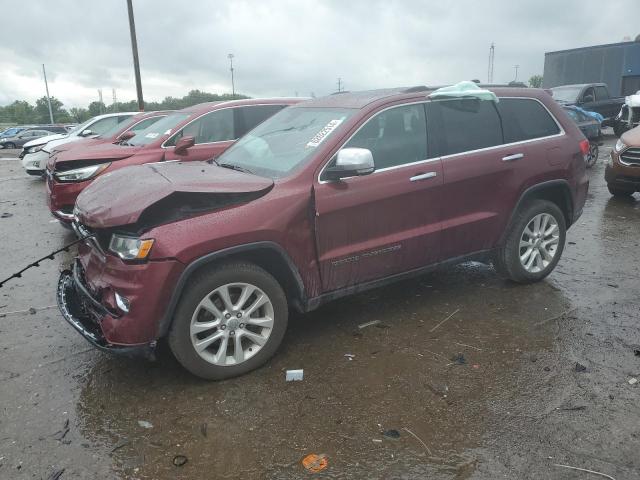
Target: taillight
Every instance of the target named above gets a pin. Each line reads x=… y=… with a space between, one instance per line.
x=584 y=146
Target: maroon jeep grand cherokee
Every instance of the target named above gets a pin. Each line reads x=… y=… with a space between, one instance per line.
x=326 y=198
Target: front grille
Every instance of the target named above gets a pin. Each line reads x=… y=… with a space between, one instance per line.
x=95 y=237
x=631 y=156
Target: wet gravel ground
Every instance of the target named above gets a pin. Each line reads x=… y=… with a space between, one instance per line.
x=520 y=378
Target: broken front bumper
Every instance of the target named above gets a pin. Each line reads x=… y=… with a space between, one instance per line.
x=82 y=311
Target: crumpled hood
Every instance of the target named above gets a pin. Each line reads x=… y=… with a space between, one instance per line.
x=101 y=151
x=119 y=198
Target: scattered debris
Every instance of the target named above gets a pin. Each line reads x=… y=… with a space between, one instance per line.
x=120 y=444
x=470 y=346
x=636 y=352
x=459 y=359
x=6 y=215
x=368 y=324
x=180 y=460
x=203 y=429
x=315 y=463
x=613 y=285
x=350 y=356
x=382 y=325
x=434 y=328
x=60 y=434
x=32 y=310
x=419 y=439
x=377 y=440
x=533 y=358
x=571 y=409
x=584 y=470
x=580 y=368
x=475 y=365
x=391 y=433
x=294 y=375
x=547 y=369
x=632 y=381
x=145 y=424
x=55 y=475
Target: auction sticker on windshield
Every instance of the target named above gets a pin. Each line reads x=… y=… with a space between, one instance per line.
x=319 y=137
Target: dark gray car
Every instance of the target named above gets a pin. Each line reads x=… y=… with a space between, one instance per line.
x=23 y=137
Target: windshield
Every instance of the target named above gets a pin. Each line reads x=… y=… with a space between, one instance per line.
x=566 y=94
x=117 y=128
x=283 y=142
x=162 y=127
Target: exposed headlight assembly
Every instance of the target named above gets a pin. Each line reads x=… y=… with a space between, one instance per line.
x=80 y=174
x=620 y=145
x=130 y=248
x=35 y=149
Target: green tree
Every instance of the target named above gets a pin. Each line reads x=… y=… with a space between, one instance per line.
x=96 y=108
x=79 y=114
x=19 y=112
x=42 y=111
x=535 y=81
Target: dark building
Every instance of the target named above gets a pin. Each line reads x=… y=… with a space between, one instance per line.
x=616 y=64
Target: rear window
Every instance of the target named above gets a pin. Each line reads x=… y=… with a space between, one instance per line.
x=465 y=124
x=525 y=119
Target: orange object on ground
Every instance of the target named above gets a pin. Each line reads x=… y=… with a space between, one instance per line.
x=315 y=463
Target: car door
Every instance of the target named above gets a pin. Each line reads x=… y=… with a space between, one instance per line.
x=588 y=99
x=213 y=132
x=481 y=178
x=387 y=222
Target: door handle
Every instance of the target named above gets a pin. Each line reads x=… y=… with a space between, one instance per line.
x=515 y=156
x=423 y=176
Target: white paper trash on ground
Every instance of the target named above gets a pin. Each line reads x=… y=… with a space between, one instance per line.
x=294 y=375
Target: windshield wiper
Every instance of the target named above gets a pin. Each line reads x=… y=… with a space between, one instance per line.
x=231 y=166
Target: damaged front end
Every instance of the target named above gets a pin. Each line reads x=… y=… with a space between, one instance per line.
x=629 y=115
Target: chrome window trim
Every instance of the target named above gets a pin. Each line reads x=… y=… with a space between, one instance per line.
x=444 y=157
x=211 y=111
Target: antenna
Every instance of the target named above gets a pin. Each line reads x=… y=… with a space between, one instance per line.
x=492 y=52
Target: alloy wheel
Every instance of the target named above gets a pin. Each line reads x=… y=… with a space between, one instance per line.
x=539 y=243
x=231 y=324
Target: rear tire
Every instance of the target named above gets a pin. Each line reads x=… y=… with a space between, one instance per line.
x=534 y=243
x=592 y=157
x=230 y=320
x=619 y=192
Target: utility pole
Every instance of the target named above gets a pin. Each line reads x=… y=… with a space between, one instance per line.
x=136 y=61
x=233 y=86
x=100 y=101
x=46 y=86
x=339 y=85
x=516 y=67
x=492 y=53
x=115 y=100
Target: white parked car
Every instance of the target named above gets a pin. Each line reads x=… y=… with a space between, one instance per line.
x=36 y=153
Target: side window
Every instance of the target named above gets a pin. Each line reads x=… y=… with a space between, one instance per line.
x=144 y=124
x=601 y=93
x=103 y=125
x=395 y=137
x=465 y=124
x=250 y=117
x=216 y=126
x=526 y=119
x=589 y=95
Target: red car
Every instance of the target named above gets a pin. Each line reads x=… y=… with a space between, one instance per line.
x=195 y=133
x=326 y=198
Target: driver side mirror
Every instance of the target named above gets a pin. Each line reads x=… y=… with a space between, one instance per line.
x=86 y=133
x=183 y=144
x=351 y=162
x=128 y=135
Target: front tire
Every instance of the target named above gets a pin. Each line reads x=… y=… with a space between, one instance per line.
x=9 y=145
x=534 y=243
x=619 y=192
x=230 y=320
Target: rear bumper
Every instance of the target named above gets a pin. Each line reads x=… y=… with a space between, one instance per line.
x=81 y=310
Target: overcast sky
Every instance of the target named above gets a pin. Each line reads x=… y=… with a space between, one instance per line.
x=284 y=47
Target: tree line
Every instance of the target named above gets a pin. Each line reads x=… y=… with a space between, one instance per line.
x=22 y=112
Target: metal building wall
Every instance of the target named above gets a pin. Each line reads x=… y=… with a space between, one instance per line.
x=601 y=63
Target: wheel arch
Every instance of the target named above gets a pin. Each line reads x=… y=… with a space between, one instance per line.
x=555 y=191
x=269 y=256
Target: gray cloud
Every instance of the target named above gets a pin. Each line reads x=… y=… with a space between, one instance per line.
x=286 y=46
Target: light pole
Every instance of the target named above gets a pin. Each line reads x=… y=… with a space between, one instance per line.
x=136 y=62
x=516 y=67
x=233 y=86
x=46 y=86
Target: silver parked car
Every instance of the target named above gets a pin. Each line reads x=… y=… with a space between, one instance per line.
x=23 y=137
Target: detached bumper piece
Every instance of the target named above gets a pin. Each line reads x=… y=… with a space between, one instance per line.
x=82 y=311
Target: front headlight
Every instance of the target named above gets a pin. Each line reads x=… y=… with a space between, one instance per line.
x=130 y=248
x=35 y=149
x=79 y=174
x=620 y=145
